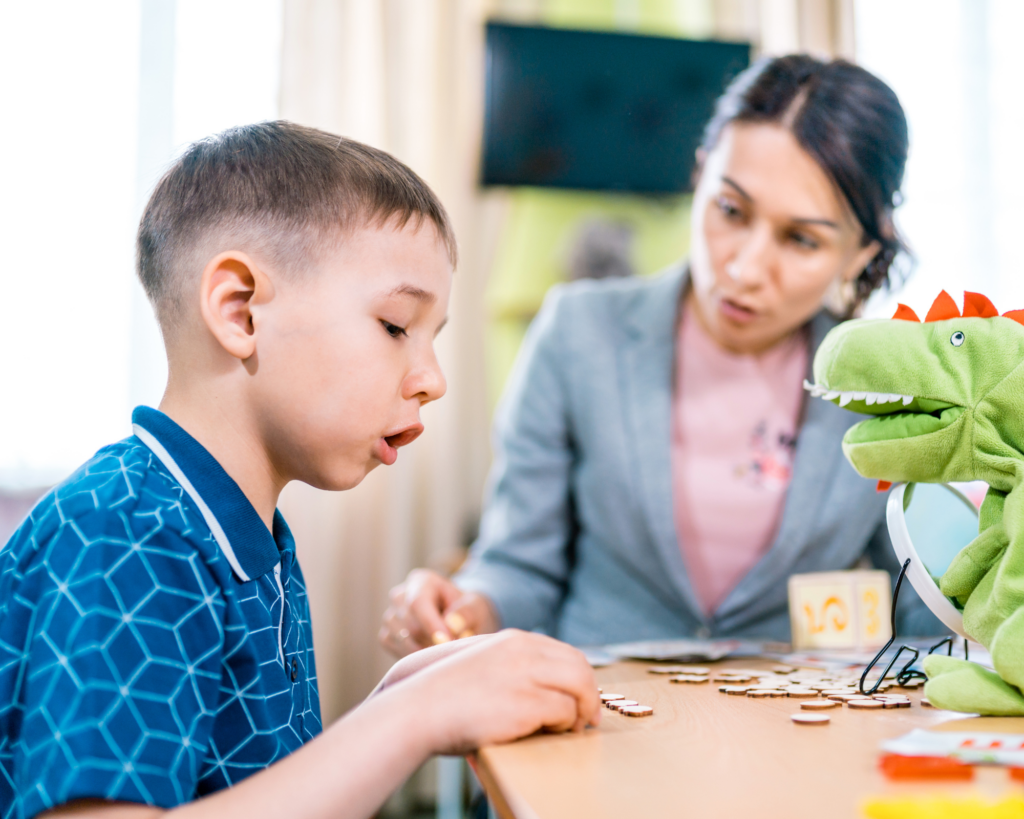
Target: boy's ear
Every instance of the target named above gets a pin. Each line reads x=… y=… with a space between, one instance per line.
x=231 y=288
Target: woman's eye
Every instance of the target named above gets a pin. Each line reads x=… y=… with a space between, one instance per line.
x=393 y=330
x=729 y=209
x=957 y=339
x=804 y=241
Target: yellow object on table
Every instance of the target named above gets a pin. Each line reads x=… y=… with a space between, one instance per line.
x=938 y=807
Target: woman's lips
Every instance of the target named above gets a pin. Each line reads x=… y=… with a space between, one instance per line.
x=387 y=445
x=736 y=313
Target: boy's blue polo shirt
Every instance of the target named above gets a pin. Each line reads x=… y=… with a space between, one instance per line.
x=155 y=641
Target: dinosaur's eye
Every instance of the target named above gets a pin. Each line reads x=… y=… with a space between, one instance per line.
x=956 y=339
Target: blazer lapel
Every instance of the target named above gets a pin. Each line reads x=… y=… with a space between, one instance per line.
x=814 y=467
x=647 y=365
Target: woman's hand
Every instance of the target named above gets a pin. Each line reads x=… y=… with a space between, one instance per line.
x=428 y=609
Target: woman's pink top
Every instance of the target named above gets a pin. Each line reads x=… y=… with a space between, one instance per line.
x=734 y=425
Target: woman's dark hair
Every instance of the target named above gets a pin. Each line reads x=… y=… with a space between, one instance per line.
x=850 y=122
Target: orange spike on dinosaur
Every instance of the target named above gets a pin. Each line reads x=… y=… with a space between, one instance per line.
x=942 y=308
x=905 y=313
x=975 y=306
x=978 y=305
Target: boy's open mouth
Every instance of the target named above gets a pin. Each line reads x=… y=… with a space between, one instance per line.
x=387 y=445
x=405 y=436
x=897 y=416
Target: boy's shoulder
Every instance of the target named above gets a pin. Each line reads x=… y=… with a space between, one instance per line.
x=123 y=495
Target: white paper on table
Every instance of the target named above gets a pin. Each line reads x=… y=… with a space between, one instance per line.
x=674 y=650
x=973 y=747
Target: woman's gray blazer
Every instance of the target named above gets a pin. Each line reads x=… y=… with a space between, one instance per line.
x=577 y=536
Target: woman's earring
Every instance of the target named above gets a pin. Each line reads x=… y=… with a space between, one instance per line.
x=839 y=297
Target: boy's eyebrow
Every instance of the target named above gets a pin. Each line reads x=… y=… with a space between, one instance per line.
x=417 y=293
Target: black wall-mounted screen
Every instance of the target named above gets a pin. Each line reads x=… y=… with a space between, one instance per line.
x=599 y=111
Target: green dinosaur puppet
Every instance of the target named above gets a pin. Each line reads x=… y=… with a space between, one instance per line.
x=947 y=396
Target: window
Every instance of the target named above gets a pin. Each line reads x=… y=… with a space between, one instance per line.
x=98 y=99
x=954 y=65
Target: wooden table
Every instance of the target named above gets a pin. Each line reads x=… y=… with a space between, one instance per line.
x=708 y=754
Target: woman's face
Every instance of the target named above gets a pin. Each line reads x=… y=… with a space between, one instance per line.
x=770 y=236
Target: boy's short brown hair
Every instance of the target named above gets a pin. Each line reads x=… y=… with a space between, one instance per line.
x=283 y=190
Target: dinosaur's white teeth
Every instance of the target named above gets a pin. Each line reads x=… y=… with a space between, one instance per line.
x=814 y=389
x=869 y=398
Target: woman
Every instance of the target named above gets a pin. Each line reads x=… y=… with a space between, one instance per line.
x=659 y=471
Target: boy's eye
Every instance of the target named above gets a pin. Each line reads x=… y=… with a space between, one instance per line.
x=393 y=330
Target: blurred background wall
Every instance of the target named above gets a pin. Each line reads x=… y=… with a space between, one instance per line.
x=99 y=98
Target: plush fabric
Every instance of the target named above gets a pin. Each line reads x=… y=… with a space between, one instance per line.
x=948 y=399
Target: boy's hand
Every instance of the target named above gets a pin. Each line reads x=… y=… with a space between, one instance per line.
x=504 y=687
x=428 y=609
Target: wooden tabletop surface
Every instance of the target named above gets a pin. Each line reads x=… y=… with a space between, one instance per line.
x=708 y=754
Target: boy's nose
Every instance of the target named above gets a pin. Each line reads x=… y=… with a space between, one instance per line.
x=427 y=383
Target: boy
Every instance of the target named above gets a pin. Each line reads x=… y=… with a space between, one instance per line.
x=155 y=647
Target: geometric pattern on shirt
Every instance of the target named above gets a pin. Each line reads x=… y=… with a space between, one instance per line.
x=133 y=663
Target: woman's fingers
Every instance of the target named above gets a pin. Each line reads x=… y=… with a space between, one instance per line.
x=470 y=614
x=395 y=637
x=427 y=595
x=428 y=609
x=415 y=617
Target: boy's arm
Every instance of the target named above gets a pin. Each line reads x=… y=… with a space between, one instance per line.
x=491 y=691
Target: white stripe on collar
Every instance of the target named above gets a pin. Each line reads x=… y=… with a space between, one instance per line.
x=280 y=625
x=218 y=533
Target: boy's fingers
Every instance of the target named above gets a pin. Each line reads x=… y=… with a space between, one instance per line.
x=560 y=712
x=554 y=667
x=566 y=669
